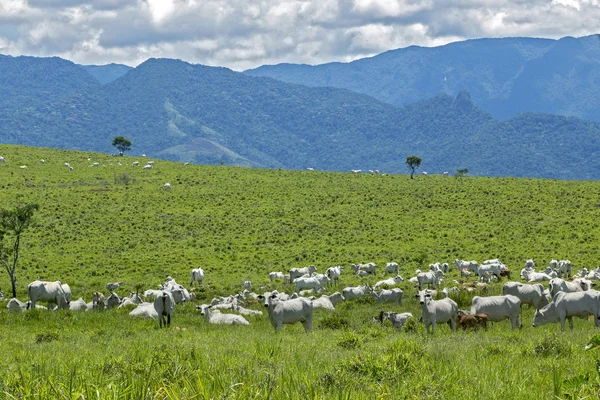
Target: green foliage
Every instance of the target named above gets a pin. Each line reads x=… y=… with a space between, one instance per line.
x=121 y=144
x=412 y=162
x=337 y=320
x=192 y=113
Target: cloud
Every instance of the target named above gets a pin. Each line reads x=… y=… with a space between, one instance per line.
x=242 y=34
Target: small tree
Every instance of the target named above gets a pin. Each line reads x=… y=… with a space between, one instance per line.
x=121 y=144
x=13 y=223
x=413 y=162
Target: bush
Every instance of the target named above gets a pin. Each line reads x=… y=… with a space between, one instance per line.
x=334 y=321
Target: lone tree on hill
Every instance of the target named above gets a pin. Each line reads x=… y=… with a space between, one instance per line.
x=122 y=144
x=413 y=162
x=12 y=224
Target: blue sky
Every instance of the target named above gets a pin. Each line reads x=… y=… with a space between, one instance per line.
x=242 y=34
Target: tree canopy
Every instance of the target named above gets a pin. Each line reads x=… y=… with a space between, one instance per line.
x=413 y=162
x=122 y=144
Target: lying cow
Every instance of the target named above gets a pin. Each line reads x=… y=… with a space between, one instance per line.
x=473 y=321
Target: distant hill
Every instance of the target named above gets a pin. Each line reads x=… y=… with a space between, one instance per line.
x=180 y=111
x=107 y=73
x=504 y=76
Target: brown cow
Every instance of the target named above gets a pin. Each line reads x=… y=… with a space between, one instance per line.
x=474 y=321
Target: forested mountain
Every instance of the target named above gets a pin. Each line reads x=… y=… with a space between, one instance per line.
x=504 y=76
x=175 y=110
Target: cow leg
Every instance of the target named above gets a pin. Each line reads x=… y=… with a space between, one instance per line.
x=571 y=323
x=168 y=319
x=432 y=327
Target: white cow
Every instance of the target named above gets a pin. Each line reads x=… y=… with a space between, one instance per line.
x=145 y=310
x=492 y=261
x=275 y=275
x=532 y=276
x=51 y=292
x=78 y=305
x=530 y=264
x=565 y=267
x=212 y=316
x=322 y=302
x=289 y=312
x=388 y=296
x=430 y=277
x=245 y=311
x=437 y=311
x=569 y=305
x=560 y=285
x=298 y=272
x=369 y=268
x=112 y=286
x=334 y=273
x=470 y=265
x=98 y=301
x=392 y=268
x=354 y=292
x=164 y=304
x=167 y=186
x=498 y=308
x=112 y=301
x=309 y=283
x=397 y=319
x=147 y=166
x=528 y=294
x=197 y=276
x=2 y=159
x=389 y=281
x=490 y=269
x=16 y=305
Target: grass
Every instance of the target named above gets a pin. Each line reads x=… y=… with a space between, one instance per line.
x=117 y=223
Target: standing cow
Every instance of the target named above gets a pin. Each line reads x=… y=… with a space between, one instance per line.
x=51 y=292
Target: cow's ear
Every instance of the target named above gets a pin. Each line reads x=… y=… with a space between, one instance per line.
x=260 y=296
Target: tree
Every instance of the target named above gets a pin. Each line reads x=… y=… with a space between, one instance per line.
x=13 y=223
x=122 y=144
x=413 y=162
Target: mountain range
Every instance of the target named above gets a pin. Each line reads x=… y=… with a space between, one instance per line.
x=504 y=76
x=180 y=111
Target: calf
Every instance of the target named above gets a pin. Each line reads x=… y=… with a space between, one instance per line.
x=473 y=321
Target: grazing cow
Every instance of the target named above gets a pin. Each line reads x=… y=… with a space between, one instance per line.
x=560 y=285
x=431 y=277
x=445 y=173
x=289 y=312
x=197 y=276
x=470 y=265
x=275 y=275
x=334 y=298
x=167 y=186
x=354 y=292
x=2 y=159
x=389 y=281
x=212 y=316
x=247 y=284
x=392 y=268
x=51 y=292
x=569 y=305
x=145 y=310
x=135 y=163
x=309 y=283
x=388 y=296
x=473 y=321
x=565 y=267
x=397 y=319
x=298 y=272
x=112 y=286
x=437 y=311
x=527 y=294
x=164 y=304
x=334 y=273
x=147 y=166
x=492 y=261
x=491 y=269
x=369 y=268
x=498 y=308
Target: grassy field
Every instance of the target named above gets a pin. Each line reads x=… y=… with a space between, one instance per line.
x=117 y=223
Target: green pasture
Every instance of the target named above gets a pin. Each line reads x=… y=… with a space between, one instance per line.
x=117 y=223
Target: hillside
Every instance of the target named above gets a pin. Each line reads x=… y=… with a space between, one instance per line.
x=504 y=76
x=179 y=111
x=117 y=223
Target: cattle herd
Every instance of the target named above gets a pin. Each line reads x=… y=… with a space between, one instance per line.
x=568 y=295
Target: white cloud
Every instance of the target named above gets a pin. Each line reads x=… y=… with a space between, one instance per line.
x=245 y=34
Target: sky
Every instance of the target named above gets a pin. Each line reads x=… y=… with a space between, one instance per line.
x=243 y=34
